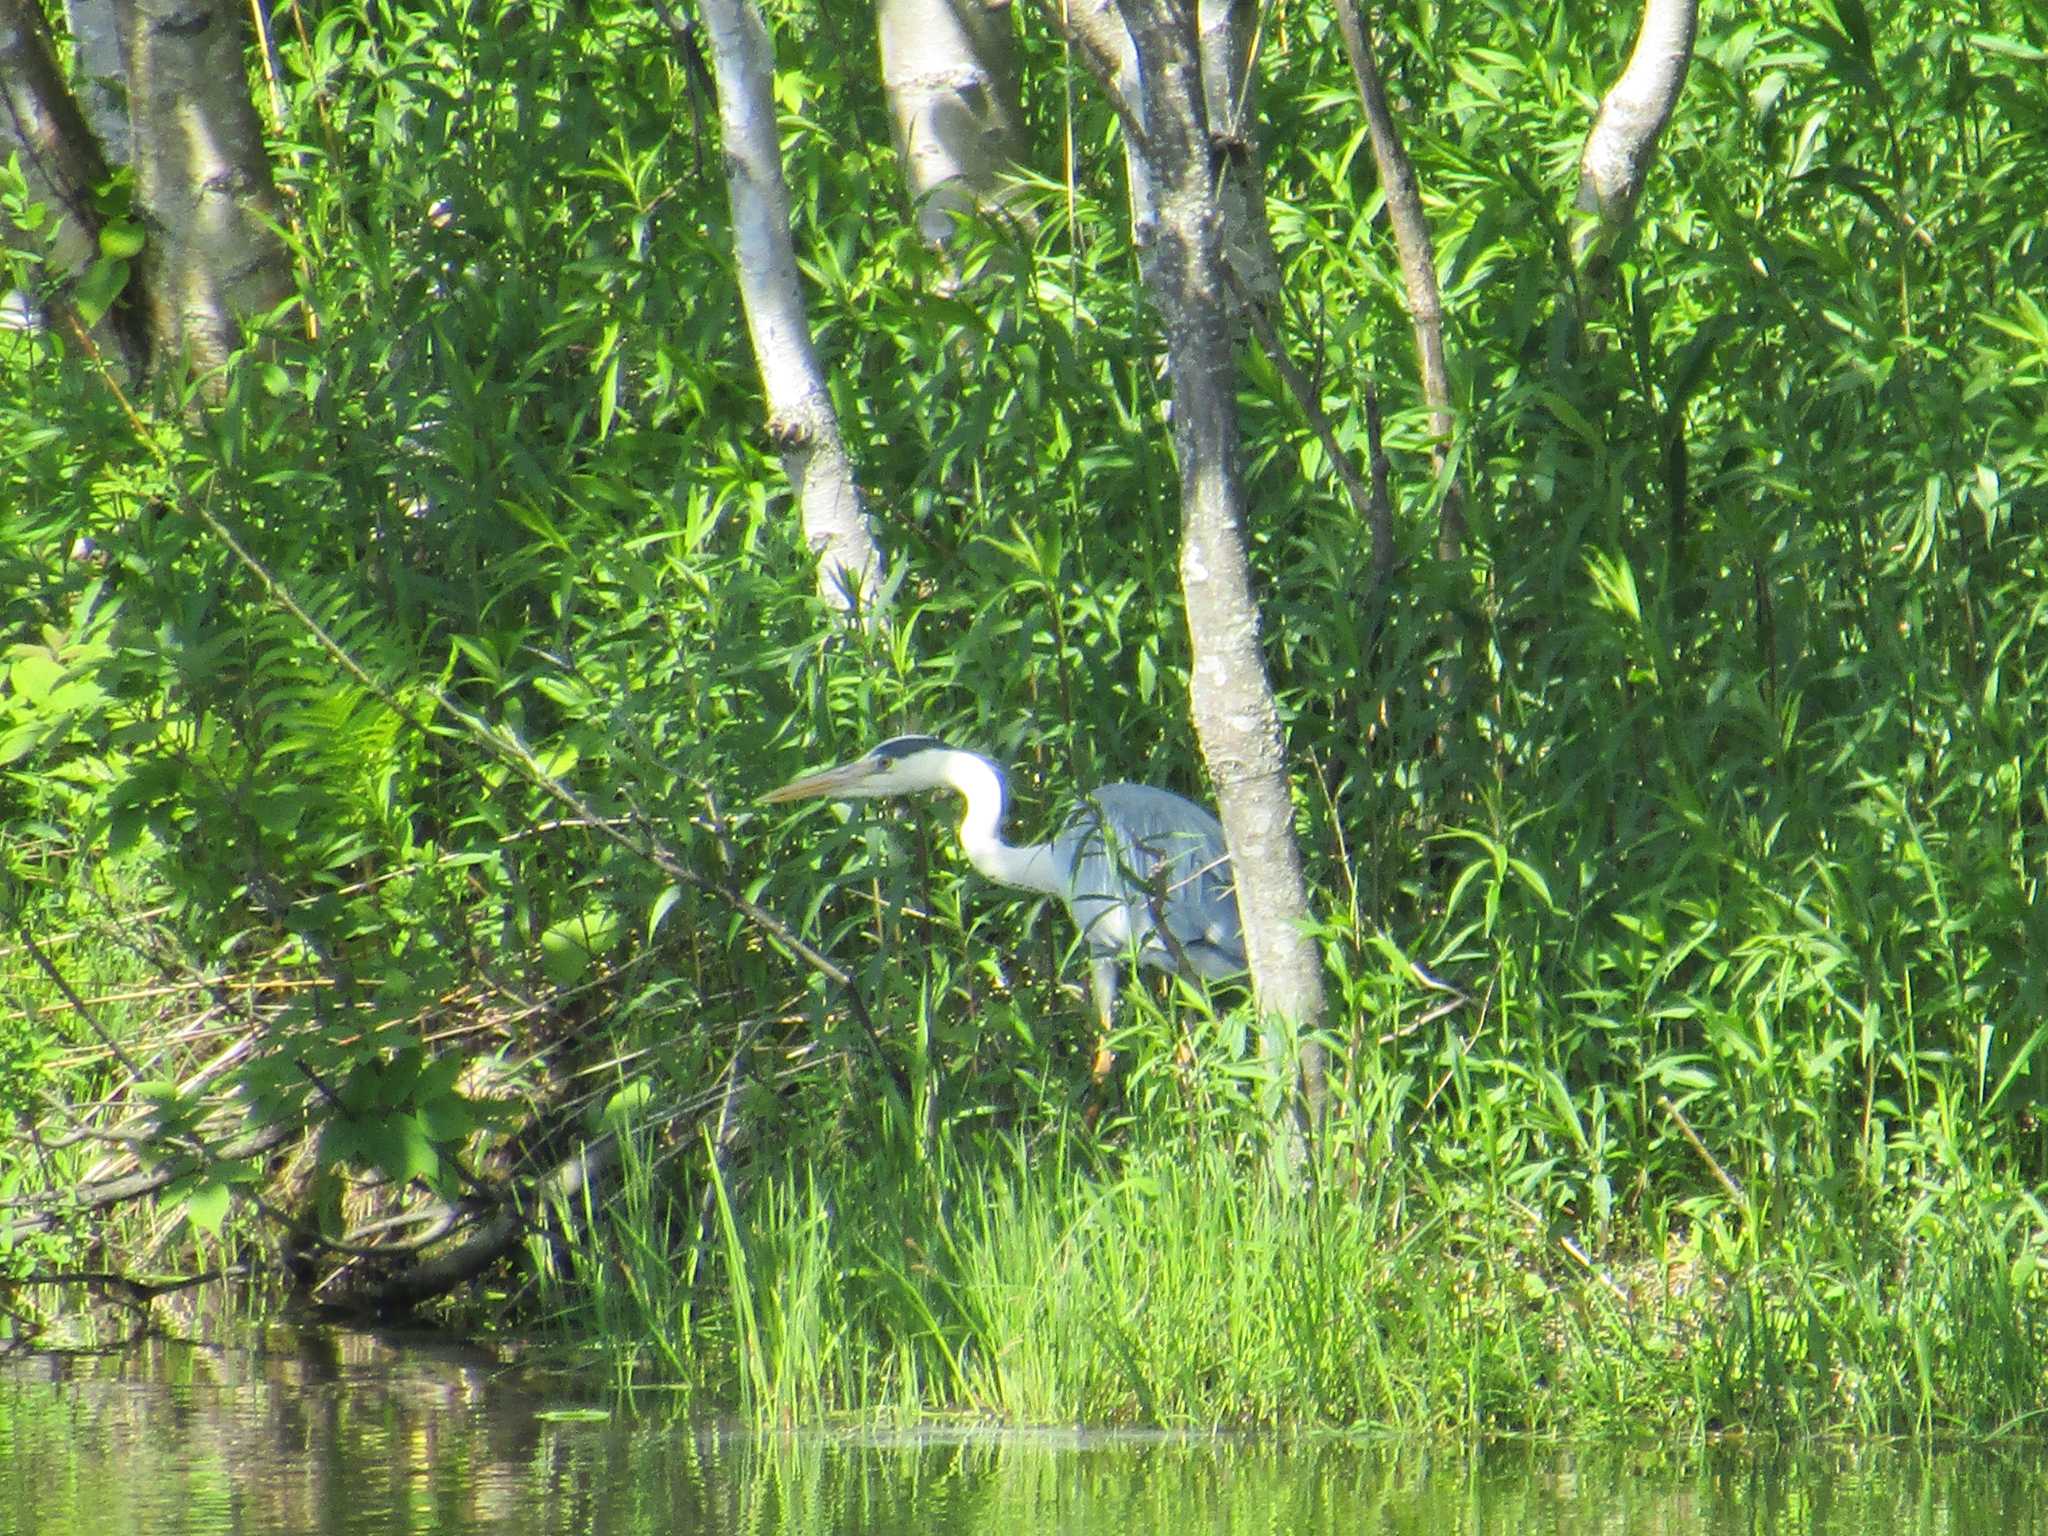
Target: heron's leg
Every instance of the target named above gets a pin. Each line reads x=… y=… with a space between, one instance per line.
x=1104 y=976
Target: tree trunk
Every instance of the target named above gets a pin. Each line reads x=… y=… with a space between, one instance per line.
x=949 y=67
x=1231 y=695
x=213 y=263
x=1616 y=156
x=1102 y=32
x=41 y=123
x=1417 y=253
x=102 y=76
x=1226 y=36
x=801 y=421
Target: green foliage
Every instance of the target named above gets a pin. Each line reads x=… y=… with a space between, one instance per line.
x=1679 y=847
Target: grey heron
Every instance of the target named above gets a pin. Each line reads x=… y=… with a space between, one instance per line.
x=1143 y=872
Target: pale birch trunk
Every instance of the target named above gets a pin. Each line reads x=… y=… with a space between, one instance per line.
x=949 y=69
x=41 y=124
x=1417 y=254
x=801 y=421
x=1230 y=694
x=1617 y=152
x=214 y=263
x=102 y=77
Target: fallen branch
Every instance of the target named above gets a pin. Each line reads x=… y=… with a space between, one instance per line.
x=129 y=1289
x=48 y=1211
x=494 y=1239
x=1725 y=1179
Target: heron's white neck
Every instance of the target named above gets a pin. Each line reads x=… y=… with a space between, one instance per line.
x=981 y=785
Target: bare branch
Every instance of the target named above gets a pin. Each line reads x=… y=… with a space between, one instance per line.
x=1096 y=33
x=1417 y=253
x=1370 y=503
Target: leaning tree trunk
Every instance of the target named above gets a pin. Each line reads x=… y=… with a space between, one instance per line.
x=1617 y=152
x=1231 y=695
x=1417 y=252
x=1098 y=27
x=801 y=421
x=949 y=68
x=40 y=123
x=213 y=264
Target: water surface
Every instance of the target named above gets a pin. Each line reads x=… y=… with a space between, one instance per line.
x=347 y=1433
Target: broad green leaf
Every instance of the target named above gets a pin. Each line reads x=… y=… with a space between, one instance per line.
x=206 y=1205
x=121 y=240
x=569 y=948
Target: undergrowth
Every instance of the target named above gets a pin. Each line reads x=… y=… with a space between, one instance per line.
x=1678 y=849
x=1162 y=1284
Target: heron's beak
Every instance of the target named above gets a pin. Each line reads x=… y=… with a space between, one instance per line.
x=819 y=785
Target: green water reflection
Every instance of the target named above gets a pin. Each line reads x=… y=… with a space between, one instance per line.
x=346 y=1434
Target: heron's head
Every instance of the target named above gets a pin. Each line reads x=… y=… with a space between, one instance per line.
x=902 y=765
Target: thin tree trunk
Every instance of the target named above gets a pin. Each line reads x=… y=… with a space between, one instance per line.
x=1417 y=253
x=41 y=123
x=1226 y=34
x=1617 y=152
x=949 y=68
x=213 y=263
x=1231 y=695
x=801 y=421
x=1101 y=30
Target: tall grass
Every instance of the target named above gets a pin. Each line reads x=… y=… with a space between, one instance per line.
x=1154 y=1285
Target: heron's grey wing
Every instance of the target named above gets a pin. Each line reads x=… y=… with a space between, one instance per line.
x=1138 y=858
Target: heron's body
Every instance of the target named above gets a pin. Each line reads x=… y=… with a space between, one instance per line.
x=1147 y=874
x=1143 y=872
